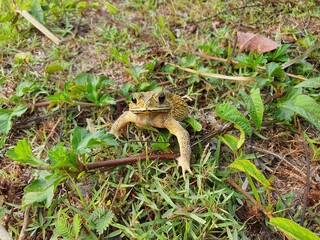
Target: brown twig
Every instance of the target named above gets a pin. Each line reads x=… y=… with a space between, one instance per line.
x=256 y=203
x=126 y=160
x=25 y=224
x=51 y=132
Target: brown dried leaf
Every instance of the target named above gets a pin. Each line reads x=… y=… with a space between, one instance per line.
x=255 y=42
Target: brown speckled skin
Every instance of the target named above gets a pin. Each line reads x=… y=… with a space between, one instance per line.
x=161 y=110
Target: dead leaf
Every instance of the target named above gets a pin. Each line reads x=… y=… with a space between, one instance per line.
x=255 y=42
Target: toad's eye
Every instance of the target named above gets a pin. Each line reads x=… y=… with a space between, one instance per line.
x=162 y=97
x=134 y=100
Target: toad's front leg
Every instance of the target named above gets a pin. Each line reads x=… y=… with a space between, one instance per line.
x=121 y=122
x=184 y=144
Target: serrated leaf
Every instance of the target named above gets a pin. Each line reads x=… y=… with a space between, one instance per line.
x=310 y=83
x=107 y=99
x=308 y=108
x=61 y=157
x=83 y=141
x=274 y=69
x=292 y=229
x=194 y=124
x=249 y=168
x=22 y=153
x=231 y=114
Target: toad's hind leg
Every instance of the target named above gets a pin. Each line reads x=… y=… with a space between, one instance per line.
x=184 y=144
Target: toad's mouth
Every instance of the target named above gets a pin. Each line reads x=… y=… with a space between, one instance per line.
x=150 y=110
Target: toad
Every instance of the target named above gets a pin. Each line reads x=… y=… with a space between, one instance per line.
x=161 y=110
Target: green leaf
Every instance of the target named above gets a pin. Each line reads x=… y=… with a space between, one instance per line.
x=256 y=110
x=161 y=145
x=56 y=66
x=6 y=116
x=104 y=222
x=274 y=69
x=23 y=57
x=64 y=228
x=22 y=153
x=231 y=114
x=36 y=11
x=230 y=141
x=83 y=141
x=111 y=8
x=305 y=107
x=310 y=83
x=194 y=123
x=136 y=72
x=292 y=229
x=42 y=189
x=249 y=168
x=106 y=99
x=76 y=225
x=61 y=157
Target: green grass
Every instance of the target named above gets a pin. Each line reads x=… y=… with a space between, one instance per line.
x=109 y=52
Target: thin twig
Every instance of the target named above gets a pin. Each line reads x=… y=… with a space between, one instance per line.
x=52 y=132
x=116 y=193
x=256 y=203
x=25 y=224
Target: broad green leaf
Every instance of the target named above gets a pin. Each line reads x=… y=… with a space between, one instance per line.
x=46 y=196
x=310 y=83
x=83 y=141
x=305 y=107
x=194 y=123
x=230 y=141
x=292 y=229
x=231 y=114
x=42 y=189
x=5 y=121
x=249 y=168
x=257 y=109
x=36 y=11
x=22 y=153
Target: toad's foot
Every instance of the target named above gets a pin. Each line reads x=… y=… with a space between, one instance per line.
x=185 y=166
